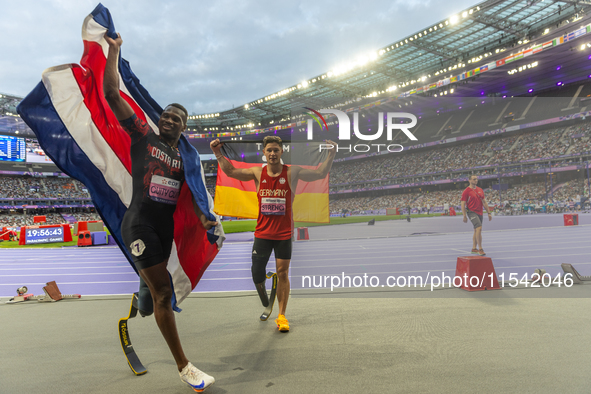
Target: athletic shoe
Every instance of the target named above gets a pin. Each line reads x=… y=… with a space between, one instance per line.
x=481 y=252
x=198 y=380
x=282 y=323
x=474 y=251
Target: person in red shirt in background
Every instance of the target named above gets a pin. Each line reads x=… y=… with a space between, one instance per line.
x=276 y=184
x=473 y=201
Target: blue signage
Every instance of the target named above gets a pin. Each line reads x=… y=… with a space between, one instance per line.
x=44 y=235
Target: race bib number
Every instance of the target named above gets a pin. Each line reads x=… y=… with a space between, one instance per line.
x=273 y=206
x=164 y=190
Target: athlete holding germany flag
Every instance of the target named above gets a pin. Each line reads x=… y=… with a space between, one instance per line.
x=275 y=184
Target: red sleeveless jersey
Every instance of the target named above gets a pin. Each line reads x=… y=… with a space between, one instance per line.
x=275 y=219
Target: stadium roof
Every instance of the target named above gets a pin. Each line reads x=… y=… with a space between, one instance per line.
x=451 y=44
x=468 y=39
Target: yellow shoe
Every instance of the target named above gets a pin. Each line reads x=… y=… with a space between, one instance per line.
x=282 y=323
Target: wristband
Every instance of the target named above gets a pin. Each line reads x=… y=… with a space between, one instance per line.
x=219 y=157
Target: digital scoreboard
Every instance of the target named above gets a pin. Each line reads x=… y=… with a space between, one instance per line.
x=12 y=148
x=31 y=235
x=44 y=235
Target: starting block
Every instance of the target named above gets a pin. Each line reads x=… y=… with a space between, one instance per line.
x=577 y=278
x=571 y=219
x=303 y=234
x=371 y=222
x=478 y=270
x=52 y=294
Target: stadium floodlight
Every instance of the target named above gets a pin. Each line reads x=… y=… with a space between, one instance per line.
x=546 y=31
x=453 y=19
x=305 y=84
x=583 y=46
x=465 y=14
x=471 y=11
x=373 y=56
x=245 y=106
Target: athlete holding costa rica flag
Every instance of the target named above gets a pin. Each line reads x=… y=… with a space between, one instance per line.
x=148 y=225
x=275 y=184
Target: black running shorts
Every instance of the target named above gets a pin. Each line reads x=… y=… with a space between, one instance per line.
x=264 y=247
x=148 y=244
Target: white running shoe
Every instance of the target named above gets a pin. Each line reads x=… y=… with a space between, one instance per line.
x=198 y=380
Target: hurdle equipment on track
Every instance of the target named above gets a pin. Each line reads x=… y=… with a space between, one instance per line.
x=371 y=222
x=51 y=290
x=577 y=278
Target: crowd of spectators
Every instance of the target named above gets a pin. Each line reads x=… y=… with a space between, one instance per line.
x=18 y=220
x=32 y=188
x=570 y=191
x=501 y=151
x=86 y=217
x=534 y=193
x=210 y=182
x=580 y=138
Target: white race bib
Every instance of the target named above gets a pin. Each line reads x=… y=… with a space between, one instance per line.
x=273 y=206
x=164 y=189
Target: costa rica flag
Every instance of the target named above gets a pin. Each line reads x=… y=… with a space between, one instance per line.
x=77 y=129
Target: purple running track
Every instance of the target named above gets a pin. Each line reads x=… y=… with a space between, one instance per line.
x=386 y=249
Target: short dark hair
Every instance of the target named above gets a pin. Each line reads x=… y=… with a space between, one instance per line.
x=270 y=139
x=470 y=177
x=177 y=105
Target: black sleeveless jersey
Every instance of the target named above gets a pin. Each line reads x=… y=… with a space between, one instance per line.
x=156 y=169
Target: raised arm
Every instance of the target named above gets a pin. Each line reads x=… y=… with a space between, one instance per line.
x=242 y=174
x=120 y=107
x=321 y=172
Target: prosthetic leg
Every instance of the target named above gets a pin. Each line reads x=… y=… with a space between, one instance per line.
x=132 y=359
x=271 y=299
